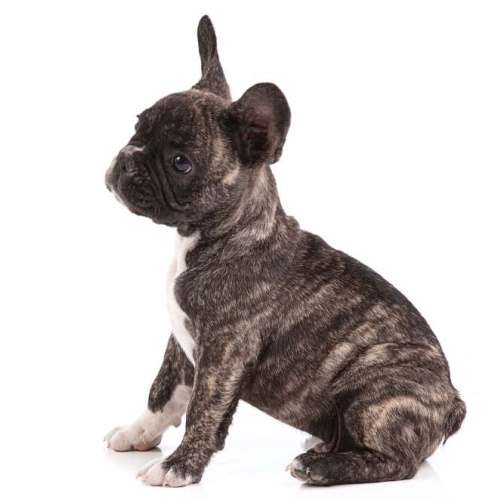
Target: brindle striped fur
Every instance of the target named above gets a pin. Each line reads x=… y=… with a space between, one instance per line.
x=280 y=319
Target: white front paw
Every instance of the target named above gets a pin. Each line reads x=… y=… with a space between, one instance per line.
x=130 y=438
x=154 y=474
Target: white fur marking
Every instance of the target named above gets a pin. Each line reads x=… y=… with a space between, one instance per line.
x=175 y=481
x=177 y=315
x=310 y=442
x=231 y=177
x=129 y=149
x=146 y=432
x=294 y=464
x=154 y=474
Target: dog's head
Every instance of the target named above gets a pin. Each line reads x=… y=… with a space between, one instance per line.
x=194 y=153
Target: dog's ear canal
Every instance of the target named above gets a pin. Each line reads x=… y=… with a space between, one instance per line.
x=212 y=75
x=257 y=124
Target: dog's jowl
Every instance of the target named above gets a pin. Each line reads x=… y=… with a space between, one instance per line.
x=264 y=311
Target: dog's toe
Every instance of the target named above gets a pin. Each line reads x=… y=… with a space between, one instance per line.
x=175 y=480
x=298 y=469
x=130 y=438
x=152 y=473
x=155 y=473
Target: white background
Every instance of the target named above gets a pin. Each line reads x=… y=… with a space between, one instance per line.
x=393 y=157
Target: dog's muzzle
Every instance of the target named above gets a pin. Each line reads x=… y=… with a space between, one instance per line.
x=122 y=163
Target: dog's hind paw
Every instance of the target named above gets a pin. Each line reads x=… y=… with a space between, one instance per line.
x=298 y=470
x=308 y=468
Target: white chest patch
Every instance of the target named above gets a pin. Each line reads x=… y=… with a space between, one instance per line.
x=177 y=316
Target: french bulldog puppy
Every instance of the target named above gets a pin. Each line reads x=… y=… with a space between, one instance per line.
x=266 y=312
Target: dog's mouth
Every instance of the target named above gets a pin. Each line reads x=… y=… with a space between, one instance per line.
x=146 y=191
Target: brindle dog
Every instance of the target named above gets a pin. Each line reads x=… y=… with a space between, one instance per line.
x=266 y=312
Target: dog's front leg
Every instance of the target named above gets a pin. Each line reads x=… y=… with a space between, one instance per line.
x=168 y=399
x=219 y=376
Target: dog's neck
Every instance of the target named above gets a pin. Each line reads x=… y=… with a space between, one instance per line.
x=255 y=215
x=256 y=218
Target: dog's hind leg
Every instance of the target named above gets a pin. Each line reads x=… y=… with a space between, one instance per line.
x=361 y=466
x=394 y=422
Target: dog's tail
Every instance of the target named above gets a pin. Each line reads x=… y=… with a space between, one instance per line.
x=454 y=418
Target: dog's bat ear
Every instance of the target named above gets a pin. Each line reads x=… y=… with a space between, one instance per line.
x=212 y=75
x=258 y=123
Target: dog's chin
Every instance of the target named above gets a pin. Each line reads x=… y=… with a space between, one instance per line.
x=158 y=215
x=165 y=219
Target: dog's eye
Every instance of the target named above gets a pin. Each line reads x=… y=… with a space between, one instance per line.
x=182 y=164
